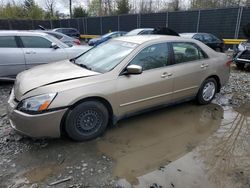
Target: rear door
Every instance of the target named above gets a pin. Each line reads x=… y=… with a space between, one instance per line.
x=11 y=57
x=189 y=69
x=38 y=50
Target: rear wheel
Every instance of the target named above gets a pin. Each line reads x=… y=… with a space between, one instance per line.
x=87 y=121
x=207 y=91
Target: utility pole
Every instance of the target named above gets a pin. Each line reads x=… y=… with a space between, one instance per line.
x=70 y=8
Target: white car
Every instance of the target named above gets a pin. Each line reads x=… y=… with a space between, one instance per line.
x=21 y=50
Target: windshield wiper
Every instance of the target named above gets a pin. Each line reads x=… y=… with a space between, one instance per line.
x=81 y=65
x=84 y=66
x=72 y=60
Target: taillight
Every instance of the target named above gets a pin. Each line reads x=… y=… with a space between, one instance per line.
x=229 y=62
x=78 y=42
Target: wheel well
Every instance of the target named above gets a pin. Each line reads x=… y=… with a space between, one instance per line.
x=217 y=80
x=99 y=99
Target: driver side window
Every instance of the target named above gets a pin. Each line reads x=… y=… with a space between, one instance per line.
x=154 y=56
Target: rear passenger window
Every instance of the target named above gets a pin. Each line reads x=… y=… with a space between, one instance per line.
x=7 y=42
x=35 y=42
x=152 y=57
x=198 y=37
x=185 y=52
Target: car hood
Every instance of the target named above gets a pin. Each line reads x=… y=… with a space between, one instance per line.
x=48 y=74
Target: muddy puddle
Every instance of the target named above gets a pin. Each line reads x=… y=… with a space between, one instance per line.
x=221 y=160
x=146 y=142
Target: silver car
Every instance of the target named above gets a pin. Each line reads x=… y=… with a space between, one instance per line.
x=21 y=50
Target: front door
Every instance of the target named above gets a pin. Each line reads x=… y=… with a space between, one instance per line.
x=152 y=87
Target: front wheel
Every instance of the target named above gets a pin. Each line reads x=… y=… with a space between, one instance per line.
x=86 y=121
x=207 y=91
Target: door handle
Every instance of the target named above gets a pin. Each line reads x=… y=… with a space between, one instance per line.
x=30 y=52
x=204 y=66
x=165 y=74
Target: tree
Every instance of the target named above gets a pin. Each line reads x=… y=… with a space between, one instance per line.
x=174 y=5
x=28 y=4
x=12 y=11
x=70 y=8
x=94 y=8
x=50 y=7
x=79 y=12
x=123 y=7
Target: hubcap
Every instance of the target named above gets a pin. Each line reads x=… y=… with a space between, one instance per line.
x=208 y=91
x=89 y=121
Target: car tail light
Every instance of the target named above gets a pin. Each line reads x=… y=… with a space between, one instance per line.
x=77 y=42
x=229 y=62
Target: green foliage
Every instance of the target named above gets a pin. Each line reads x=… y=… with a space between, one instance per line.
x=79 y=12
x=94 y=8
x=123 y=7
x=12 y=11
x=28 y=10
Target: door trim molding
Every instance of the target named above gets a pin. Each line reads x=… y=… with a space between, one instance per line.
x=156 y=96
x=146 y=99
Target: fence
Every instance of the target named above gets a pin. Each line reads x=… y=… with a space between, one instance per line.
x=224 y=23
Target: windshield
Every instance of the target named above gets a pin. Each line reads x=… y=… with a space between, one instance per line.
x=106 y=56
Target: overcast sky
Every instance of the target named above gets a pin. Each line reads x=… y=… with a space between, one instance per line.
x=63 y=5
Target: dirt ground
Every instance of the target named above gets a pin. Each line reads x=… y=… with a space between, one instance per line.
x=180 y=146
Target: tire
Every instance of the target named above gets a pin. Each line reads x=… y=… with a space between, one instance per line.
x=86 y=121
x=240 y=66
x=206 y=97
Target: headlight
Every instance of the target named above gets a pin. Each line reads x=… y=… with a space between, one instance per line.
x=36 y=104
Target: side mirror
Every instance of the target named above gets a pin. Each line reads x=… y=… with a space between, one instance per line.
x=134 y=69
x=54 y=46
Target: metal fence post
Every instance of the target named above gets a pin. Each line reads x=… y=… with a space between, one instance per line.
x=101 y=24
x=118 y=17
x=167 y=19
x=83 y=24
x=10 y=26
x=51 y=24
x=238 y=22
x=198 y=21
x=138 y=20
x=86 y=24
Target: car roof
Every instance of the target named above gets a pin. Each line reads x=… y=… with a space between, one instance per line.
x=20 y=33
x=65 y=28
x=141 y=29
x=190 y=35
x=139 y=39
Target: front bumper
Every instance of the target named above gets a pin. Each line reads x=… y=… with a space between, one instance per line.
x=38 y=125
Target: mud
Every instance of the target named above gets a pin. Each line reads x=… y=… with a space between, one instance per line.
x=146 y=142
x=222 y=160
